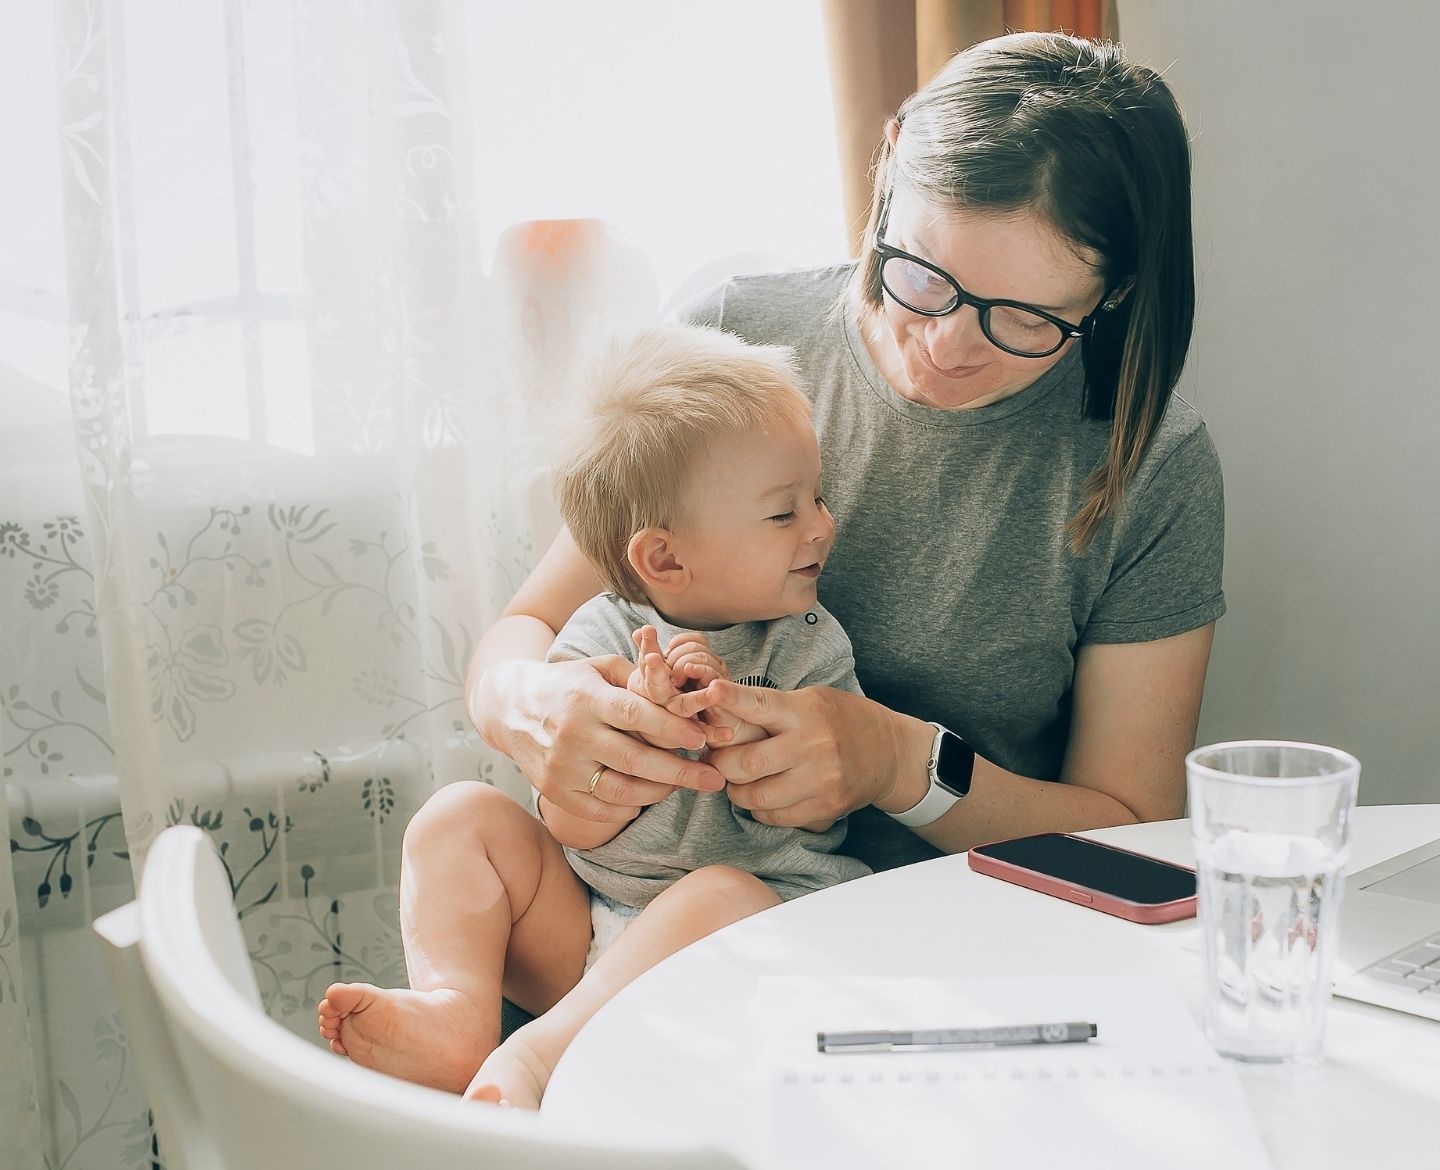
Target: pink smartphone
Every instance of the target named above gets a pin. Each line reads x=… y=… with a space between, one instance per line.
x=1113 y=881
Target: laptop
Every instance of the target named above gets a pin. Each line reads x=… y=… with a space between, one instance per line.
x=1390 y=934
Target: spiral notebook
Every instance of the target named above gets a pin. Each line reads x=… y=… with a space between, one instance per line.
x=1148 y=1091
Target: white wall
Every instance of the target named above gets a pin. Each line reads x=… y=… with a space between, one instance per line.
x=1316 y=136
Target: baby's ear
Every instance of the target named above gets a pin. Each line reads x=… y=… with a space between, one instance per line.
x=653 y=556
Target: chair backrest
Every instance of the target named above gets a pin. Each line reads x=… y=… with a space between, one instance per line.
x=234 y=1090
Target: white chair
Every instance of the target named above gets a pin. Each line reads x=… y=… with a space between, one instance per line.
x=232 y=1089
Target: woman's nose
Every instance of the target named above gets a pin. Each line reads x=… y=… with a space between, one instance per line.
x=957 y=339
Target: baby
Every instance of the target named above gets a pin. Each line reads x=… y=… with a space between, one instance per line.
x=693 y=487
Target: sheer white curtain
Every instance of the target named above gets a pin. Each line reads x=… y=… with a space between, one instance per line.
x=274 y=383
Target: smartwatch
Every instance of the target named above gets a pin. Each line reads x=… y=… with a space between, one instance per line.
x=951 y=763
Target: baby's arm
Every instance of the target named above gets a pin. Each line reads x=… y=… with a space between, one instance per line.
x=576 y=832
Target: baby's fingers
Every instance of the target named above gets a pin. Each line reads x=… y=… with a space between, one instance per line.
x=702 y=674
x=657 y=678
x=647 y=641
x=714 y=666
x=689 y=642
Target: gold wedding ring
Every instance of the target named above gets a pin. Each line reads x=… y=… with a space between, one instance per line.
x=595 y=779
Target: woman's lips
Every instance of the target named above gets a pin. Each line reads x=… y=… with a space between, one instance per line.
x=809 y=570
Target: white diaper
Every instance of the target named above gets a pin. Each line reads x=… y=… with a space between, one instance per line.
x=608 y=920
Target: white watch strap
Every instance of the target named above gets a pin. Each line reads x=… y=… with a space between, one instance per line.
x=936 y=802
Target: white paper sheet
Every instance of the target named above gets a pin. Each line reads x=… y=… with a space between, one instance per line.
x=1148 y=1092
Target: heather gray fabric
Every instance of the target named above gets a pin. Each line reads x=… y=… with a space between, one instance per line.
x=688 y=830
x=950 y=572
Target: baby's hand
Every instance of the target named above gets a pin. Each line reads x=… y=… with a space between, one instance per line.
x=651 y=678
x=661 y=683
x=693 y=667
x=692 y=663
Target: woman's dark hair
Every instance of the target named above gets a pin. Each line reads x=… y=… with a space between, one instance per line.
x=1070 y=129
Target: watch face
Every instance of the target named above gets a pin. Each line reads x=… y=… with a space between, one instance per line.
x=956 y=763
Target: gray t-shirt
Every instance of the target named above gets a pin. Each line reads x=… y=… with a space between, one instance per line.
x=688 y=830
x=950 y=571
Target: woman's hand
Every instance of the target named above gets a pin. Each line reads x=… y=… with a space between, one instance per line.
x=572 y=726
x=828 y=752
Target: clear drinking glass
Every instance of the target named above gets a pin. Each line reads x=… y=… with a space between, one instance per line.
x=1270 y=821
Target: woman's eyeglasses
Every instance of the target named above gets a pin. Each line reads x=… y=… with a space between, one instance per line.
x=924 y=288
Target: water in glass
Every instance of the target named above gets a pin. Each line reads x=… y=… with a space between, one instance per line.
x=1269 y=905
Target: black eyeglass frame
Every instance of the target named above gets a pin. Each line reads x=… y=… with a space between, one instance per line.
x=982 y=307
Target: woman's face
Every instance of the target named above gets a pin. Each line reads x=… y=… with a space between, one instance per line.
x=948 y=362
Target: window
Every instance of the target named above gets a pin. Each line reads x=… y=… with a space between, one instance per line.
x=699 y=133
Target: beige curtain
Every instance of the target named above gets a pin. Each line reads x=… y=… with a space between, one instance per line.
x=881 y=51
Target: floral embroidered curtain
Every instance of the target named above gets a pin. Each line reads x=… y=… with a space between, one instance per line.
x=250 y=533
x=275 y=403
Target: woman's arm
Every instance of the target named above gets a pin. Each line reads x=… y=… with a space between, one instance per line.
x=560 y=721
x=1135 y=710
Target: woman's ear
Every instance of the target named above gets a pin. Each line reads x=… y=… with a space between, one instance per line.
x=892 y=131
x=653 y=556
x=1114 y=300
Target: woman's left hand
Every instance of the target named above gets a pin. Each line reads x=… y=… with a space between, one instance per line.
x=829 y=752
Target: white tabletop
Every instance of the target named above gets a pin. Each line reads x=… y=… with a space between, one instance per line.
x=675 y=1051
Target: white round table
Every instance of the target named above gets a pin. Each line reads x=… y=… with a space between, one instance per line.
x=675 y=1051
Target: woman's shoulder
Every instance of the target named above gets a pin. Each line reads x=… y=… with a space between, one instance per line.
x=767 y=307
x=1182 y=447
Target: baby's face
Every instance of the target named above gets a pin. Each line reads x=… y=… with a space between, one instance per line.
x=758 y=531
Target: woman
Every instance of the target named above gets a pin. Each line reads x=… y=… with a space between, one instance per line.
x=1029 y=522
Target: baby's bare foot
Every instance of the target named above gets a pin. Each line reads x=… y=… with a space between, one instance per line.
x=436 y=1038
x=514 y=1074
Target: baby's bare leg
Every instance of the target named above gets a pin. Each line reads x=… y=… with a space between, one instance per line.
x=700 y=903
x=487 y=903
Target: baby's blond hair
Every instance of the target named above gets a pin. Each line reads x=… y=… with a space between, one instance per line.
x=653 y=405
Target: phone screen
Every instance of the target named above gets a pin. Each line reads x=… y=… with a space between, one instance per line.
x=1097 y=867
